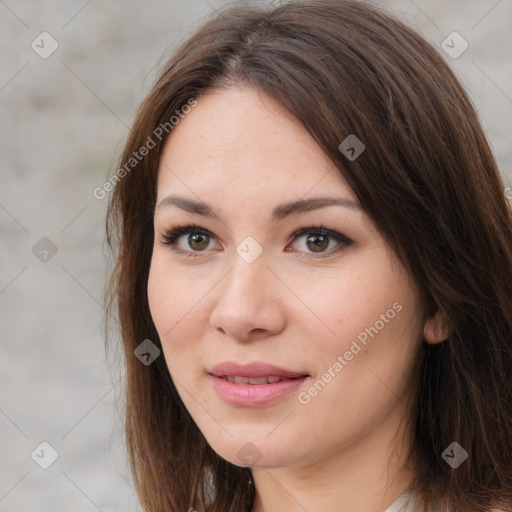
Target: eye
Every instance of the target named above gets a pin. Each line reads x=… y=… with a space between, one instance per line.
x=198 y=239
x=319 y=239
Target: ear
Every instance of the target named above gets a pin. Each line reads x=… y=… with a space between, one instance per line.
x=437 y=328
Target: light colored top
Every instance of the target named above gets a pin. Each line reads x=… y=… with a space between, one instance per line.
x=404 y=503
x=409 y=502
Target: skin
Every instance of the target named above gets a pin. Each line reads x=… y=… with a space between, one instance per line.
x=242 y=153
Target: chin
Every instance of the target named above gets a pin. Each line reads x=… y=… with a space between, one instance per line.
x=253 y=451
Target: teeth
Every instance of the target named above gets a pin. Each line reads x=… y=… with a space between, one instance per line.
x=253 y=380
x=258 y=380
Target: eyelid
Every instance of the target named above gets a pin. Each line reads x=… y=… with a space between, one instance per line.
x=319 y=228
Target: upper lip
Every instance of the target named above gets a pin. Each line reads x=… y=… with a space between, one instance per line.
x=255 y=369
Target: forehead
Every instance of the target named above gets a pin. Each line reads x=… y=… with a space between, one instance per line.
x=241 y=145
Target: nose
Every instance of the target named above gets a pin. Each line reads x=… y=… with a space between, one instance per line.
x=249 y=302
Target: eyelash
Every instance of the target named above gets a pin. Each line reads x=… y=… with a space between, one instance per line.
x=171 y=236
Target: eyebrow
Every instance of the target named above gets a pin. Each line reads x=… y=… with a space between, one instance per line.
x=278 y=213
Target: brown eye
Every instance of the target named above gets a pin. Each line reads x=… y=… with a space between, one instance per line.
x=319 y=240
x=198 y=241
x=317 y=243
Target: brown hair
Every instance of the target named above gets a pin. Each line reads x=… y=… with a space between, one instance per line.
x=428 y=180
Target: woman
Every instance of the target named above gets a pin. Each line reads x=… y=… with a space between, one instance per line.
x=314 y=273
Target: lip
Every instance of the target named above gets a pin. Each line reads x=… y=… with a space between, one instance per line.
x=255 y=369
x=253 y=395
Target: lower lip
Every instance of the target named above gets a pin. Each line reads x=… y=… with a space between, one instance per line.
x=250 y=395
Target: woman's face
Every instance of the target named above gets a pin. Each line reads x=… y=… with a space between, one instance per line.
x=332 y=314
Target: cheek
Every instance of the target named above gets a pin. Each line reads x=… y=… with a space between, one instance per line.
x=167 y=302
x=162 y=297
x=375 y=313
x=171 y=292
x=175 y=299
x=371 y=301
x=366 y=367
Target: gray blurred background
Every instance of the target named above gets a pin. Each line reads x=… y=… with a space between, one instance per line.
x=64 y=118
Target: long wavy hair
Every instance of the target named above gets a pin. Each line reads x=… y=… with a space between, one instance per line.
x=427 y=178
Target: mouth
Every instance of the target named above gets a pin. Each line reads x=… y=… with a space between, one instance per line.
x=271 y=379
x=255 y=384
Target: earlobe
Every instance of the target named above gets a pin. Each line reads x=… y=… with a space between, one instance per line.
x=437 y=328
